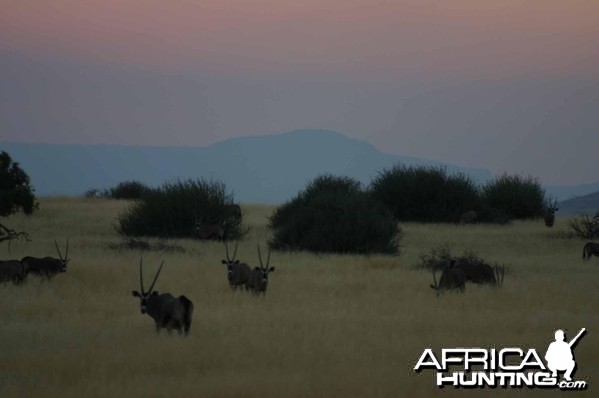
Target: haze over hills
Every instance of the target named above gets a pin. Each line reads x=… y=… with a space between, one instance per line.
x=258 y=169
x=587 y=204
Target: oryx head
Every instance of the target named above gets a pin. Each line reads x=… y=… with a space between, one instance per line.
x=264 y=270
x=144 y=296
x=63 y=261
x=230 y=261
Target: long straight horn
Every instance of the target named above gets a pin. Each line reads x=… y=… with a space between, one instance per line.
x=66 y=256
x=435 y=278
x=235 y=251
x=227 y=250
x=268 y=258
x=259 y=255
x=156 y=277
x=141 y=276
x=57 y=249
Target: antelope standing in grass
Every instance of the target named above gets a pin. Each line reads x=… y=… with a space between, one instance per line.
x=468 y=217
x=167 y=311
x=237 y=274
x=258 y=278
x=549 y=215
x=590 y=249
x=47 y=266
x=481 y=273
x=209 y=231
x=451 y=278
x=232 y=211
x=12 y=270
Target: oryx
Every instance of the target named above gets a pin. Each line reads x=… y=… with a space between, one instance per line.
x=590 y=249
x=167 y=311
x=209 y=231
x=47 y=266
x=258 y=278
x=451 y=278
x=468 y=217
x=237 y=274
x=12 y=270
x=549 y=215
x=481 y=273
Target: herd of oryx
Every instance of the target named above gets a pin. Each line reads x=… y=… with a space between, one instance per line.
x=175 y=313
x=46 y=267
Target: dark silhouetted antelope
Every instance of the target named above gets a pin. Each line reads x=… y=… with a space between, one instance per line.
x=549 y=215
x=47 y=266
x=468 y=217
x=451 y=278
x=167 y=311
x=481 y=273
x=209 y=231
x=237 y=274
x=232 y=211
x=258 y=278
x=590 y=249
x=12 y=270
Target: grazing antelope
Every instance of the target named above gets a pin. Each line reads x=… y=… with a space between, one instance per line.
x=549 y=215
x=209 y=231
x=167 y=311
x=12 y=270
x=468 y=217
x=481 y=273
x=47 y=266
x=451 y=278
x=237 y=274
x=258 y=278
x=590 y=249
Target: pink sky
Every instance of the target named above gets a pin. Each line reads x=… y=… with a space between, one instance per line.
x=472 y=82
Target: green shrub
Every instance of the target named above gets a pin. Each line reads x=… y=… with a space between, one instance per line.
x=334 y=215
x=173 y=210
x=585 y=227
x=425 y=194
x=512 y=197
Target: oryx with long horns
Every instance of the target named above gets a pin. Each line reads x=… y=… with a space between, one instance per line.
x=47 y=266
x=237 y=273
x=167 y=311
x=258 y=278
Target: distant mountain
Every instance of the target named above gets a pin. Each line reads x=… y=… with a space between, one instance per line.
x=565 y=192
x=258 y=169
x=587 y=204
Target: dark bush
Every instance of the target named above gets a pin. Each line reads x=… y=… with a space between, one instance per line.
x=425 y=194
x=173 y=209
x=512 y=197
x=585 y=227
x=334 y=215
x=128 y=190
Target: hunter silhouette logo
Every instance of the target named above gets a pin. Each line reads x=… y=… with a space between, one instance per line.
x=505 y=367
x=559 y=354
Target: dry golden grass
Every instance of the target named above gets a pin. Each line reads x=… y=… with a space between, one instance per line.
x=349 y=326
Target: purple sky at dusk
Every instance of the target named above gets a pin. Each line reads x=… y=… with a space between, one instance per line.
x=503 y=85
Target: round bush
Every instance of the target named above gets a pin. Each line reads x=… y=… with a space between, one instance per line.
x=128 y=190
x=425 y=194
x=173 y=210
x=513 y=197
x=334 y=215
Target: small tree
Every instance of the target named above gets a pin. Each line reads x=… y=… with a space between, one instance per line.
x=16 y=194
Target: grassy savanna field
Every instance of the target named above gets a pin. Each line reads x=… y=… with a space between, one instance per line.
x=330 y=325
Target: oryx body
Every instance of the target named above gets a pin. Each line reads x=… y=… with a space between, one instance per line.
x=477 y=273
x=451 y=278
x=468 y=217
x=549 y=216
x=237 y=273
x=47 y=266
x=232 y=211
x=590 y=249
x=12 y=270
x=258 y=278
x=210 y=231
x=167 y=311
